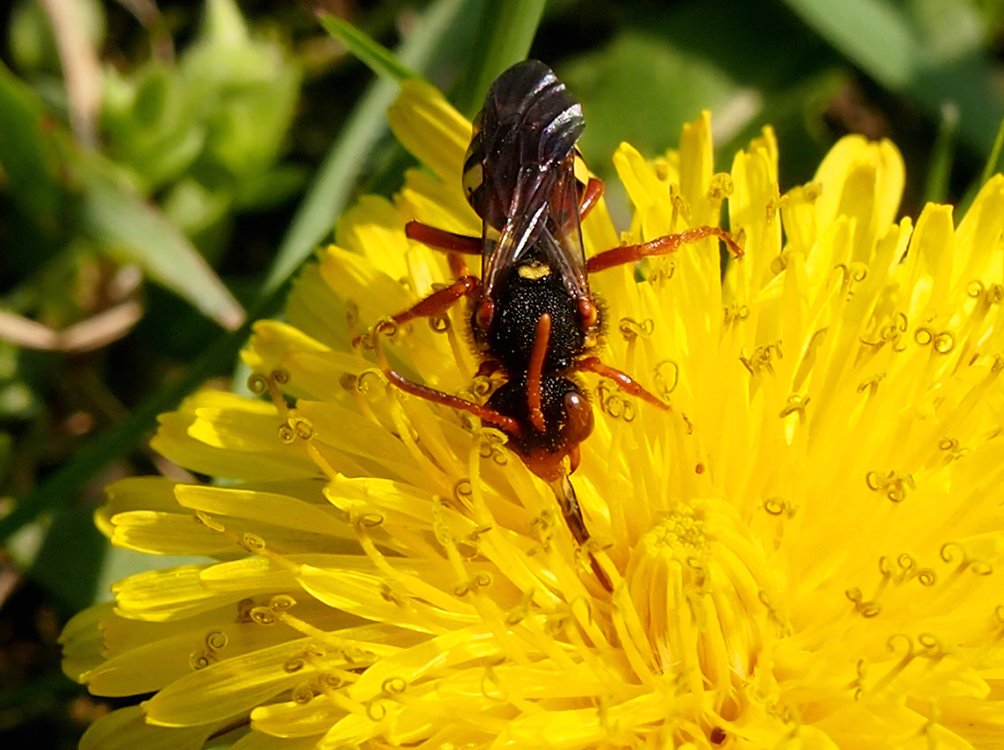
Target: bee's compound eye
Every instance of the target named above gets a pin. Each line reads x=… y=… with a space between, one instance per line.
x=578 y=418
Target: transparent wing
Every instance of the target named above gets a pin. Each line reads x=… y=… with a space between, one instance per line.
x=561 y=238
x=543 y=214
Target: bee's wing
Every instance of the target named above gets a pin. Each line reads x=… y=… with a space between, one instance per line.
x=544 y=214
x=561 y=237
x=525 y=215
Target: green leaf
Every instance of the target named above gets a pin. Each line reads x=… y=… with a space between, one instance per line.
x=28 y=152
x=664 y=64
x=30 y=37
x=991 y=166
x=151 y=124
x=623 y=77
x=34 y=150
x=871 y=33
x=376 y=57
x=930 y=51
x=271 y=189
x=118 y=220
x=223 y=25
x=246 y=91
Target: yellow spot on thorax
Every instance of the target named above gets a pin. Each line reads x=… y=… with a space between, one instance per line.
x=534 y=271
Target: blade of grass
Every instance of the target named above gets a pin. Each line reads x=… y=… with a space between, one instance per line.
x=990 y=168
x=125 y=226
x=939 y=168
x=328 y=195
x=993 y=164
x=377 y=58
x=509 y=29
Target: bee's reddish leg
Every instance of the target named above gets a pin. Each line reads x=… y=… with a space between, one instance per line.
x=440 y=239
x=484 y=413
x=659 y=246
x=590 y=197
x=535 y=371
x=436 y=303
x=441 y=300
x=624 y=381
x=465 y=285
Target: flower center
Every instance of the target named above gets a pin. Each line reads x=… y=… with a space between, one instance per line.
x=701 y=590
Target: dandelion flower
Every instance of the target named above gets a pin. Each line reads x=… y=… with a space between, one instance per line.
x=806 y=551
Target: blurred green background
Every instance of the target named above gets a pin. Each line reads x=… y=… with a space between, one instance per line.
x=165 y=167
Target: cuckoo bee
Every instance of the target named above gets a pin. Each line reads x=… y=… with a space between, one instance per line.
x=532 y=316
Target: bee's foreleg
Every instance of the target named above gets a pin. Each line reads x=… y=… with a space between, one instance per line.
x=670 y=243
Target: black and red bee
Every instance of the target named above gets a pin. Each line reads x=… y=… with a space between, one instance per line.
x=532 y=315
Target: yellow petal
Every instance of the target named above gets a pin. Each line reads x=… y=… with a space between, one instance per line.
x=125 y=729
x=697 y=165
x=226 y=435
x=432 y=130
